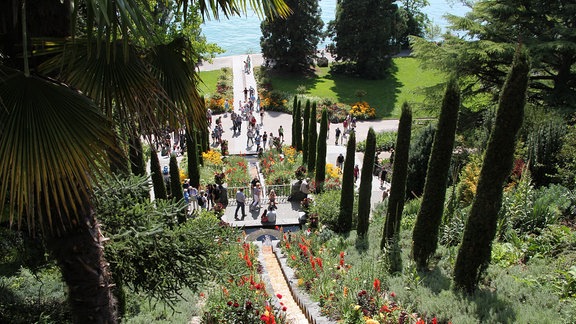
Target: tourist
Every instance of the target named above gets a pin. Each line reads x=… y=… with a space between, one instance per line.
x=383 y=174
x=281 y=133
x=340 y=162
x=256 y=194
x=261 y=116
x=338 y=131
x=193 y=197
x=240 y=203
x=305 y=187
x=245 y=94
x=264 y=140
x=356 y=173
x=272 y=198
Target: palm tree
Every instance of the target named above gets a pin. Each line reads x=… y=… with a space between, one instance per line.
x=61 y=108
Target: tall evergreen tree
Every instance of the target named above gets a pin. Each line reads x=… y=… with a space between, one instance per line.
x=365 y=191
x=175 y=185
x=322 y=150
x=157 y=177
x=364 y=33
x=312 y=139
x=298 y=127
x=294 y=108
x=476 y=248
x=347 y=193
x=420 y=149
x=291 y=43
x=305 y=132
x=399 y=175
x=202 y=140
x=425 y=234
x=193 y=162
x=137 y=165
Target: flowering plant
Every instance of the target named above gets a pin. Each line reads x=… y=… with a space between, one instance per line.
x=219 y=177
x=363 y=110
x=300 y=172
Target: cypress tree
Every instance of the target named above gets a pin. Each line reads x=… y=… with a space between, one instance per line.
x=347 y=193
x=321 y=157
x=476 y=248
x=175 y=186
x=298 y=127
x=305 y=131
x=294 y=107
x=365 y=191
x=425 y=234
x=399 y=175
x=312 y=138
x=157 y=178
x=193 y=162
x=137 y=164
x=199 y=139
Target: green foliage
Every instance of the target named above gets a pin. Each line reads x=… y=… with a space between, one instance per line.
x=175 y=186
x=567 y=159
x=475 y=250
x=399 y=175
x=291 y=43
x=365 y=190
x=305 y=132
x=420 y=150
x=157 y=177
x=321 y=151
x=298 y=127
x=345 y=216
x=144 y=236
x=364 y=34
x=312 y=139
x=193 y=164
x=328 y=212
x=385 y=141
x=29 y=297
x=136 y=153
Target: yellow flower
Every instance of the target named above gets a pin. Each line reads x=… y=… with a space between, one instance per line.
x=213 y=157
x=357 y=307
x=372 y=321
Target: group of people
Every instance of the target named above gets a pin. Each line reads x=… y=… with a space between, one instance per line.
x=256 y=204
x=349 y=125
x=206 y=199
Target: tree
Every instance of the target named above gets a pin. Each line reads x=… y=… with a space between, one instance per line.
x=59 y=137
x=291 y=43
x=298 y=127
x=364 y=32
x=175 y=185
x=192 y=149
x=347 y=193
x=305 y=132
x=485 y=44
x=420 y=149
x=294 y=107
x=138 y=167
x=425 y=234
x=321 y=157
x=365 y=191
x=412 y=20
x=475 y=251
x=157 y=177
x=312 y=138
x=399 y=175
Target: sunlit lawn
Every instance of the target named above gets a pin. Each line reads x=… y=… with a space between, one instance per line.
x=209 y=80
x=405 y=83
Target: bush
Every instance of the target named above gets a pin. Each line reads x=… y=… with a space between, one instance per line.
x=362 y=110
x=322 y=61
x=327 y=208
x=385 y=141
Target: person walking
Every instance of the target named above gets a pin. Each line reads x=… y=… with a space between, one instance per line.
x=240 y=203
x=338 y=132
x=257 y=192
x=245 y=94
x=264 y=140
x=383 y=174
x=356 y=173
x=340 y=163
x=272 y=199
x=261 y=116
x=281 y=133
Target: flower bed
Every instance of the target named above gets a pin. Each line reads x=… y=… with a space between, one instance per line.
x=341 y=286
x=234 y=168
x=279 y=168
x=224 y=91
x=241 y=297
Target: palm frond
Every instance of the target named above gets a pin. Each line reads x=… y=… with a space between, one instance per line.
x=53 y=142
x=214 y=8
x=172 y=64
x=122 y=85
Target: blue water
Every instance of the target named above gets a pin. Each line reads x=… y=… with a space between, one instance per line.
x=241 y=35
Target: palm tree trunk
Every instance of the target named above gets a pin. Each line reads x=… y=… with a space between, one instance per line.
x=80 y=256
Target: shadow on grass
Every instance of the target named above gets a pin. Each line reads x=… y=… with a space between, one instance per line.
x=289 y=82
x=381 y=94
x=490 y=307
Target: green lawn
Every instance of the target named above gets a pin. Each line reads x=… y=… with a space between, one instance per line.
x=405 y=83
x=209 y=80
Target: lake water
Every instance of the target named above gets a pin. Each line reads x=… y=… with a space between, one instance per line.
x=241 y=35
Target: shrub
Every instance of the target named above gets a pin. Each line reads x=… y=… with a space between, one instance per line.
x=326 y=208
x=418 y=164
x=385 y=141
x=275 y=100
x=322 y=61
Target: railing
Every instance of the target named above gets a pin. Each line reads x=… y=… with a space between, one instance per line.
x=282 y=193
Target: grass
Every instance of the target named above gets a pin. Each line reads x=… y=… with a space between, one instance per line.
x=209 y=80
x=405 y=83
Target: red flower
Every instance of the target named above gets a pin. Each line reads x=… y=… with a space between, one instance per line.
x=236 y=304
x=279 y=296
x=392 y=294
x=385 y=309
x=342 y=255
x=434 y=321
x=229 y=303
x=377 y=284
x=293 y=257
x=284 y=308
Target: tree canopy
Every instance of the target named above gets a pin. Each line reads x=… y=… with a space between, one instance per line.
x=291 y=43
